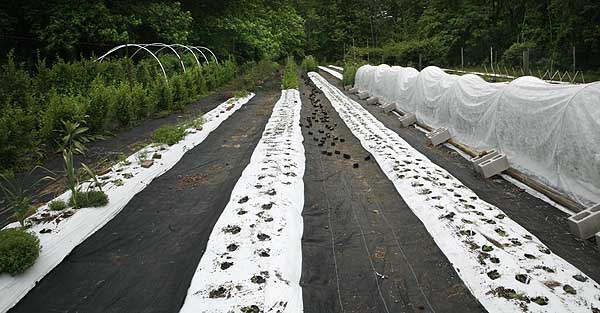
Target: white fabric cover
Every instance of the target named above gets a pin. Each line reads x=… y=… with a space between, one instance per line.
x=550 y=132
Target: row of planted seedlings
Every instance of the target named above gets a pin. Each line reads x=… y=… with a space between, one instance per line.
x=19 y=245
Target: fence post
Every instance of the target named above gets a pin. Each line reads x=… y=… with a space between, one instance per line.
x=462 y=59
x=420 y=61
x=526 y=61
x=492 y=60
x=574 y=60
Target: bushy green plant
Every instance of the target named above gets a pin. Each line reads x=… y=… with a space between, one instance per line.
x=19 y=138
x=18 y=251
x=102 y=98
x=350 y=73
x=62 y=108
x=57 y=205
x=88 y=199
x=168 y=134
x=290 y=74
x=309 y=64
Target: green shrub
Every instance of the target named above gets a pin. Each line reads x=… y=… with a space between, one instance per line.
x=19 y=138
x=57 y=205
x=88 y=199
x=18 y=251
x=310 y=64
x=102 y=98
x=290 y=74
x=62 y=108
x=350 y=73
x=122 y=108
x=169 y=134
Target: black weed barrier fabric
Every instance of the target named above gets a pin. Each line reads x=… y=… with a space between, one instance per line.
x=144 y=259
x=363 y=249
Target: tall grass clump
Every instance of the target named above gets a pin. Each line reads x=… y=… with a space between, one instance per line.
x=290 y=74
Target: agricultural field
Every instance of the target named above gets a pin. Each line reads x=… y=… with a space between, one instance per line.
x=299 y=156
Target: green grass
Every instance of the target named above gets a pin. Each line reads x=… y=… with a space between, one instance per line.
x=57 y=205
x=290 y=74
x=169 y=134
x=18 y=251
x=88 y=199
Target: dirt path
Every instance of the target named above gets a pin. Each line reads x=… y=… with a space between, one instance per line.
x=541 y=219
x=363 y=249
x=144 y=259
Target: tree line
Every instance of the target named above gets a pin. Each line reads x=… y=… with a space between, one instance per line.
x=393 y=31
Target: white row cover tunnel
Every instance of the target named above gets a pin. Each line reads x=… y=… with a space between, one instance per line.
x=550 y=132
x=161 y=46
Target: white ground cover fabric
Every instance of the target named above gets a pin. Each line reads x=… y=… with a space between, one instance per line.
x=335 y=74
x=253 y=258
x=550 y=132
x=341 y=69
x=504 y=266
x=124 y=181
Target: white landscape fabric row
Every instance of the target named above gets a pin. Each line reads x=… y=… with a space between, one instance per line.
x=66 y=232
x=504 y=266
x=253 y=258
x=341 y=69
x=550 y=132
x=335 y=74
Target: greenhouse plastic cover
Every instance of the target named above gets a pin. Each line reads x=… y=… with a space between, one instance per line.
x=550 y=132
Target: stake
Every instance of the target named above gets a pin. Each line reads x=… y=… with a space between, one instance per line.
x=462 y=59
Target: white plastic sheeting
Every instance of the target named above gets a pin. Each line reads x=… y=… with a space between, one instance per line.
x=73 y=230
x=253 y=258
x=550 y=132
x=334 y=73
x=504 y=266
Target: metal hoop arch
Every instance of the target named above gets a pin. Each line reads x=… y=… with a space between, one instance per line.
x=160 y=44
x=141 y=47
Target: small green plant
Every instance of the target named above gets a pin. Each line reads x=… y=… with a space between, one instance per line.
x=142 y=156
x=57 y=205
x=74 y=142
x=18 y=251
x=88 y=199
x=309 y=64
x=169 y=134
x=290 y=74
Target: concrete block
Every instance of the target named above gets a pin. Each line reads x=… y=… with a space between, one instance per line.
x=388 y=107
x=353 y=90
x=493 y=166
x=372 y=100
x=363 y=95
x=438 y=136
x=408 y=119
x=585 y=223
x=478 y=160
